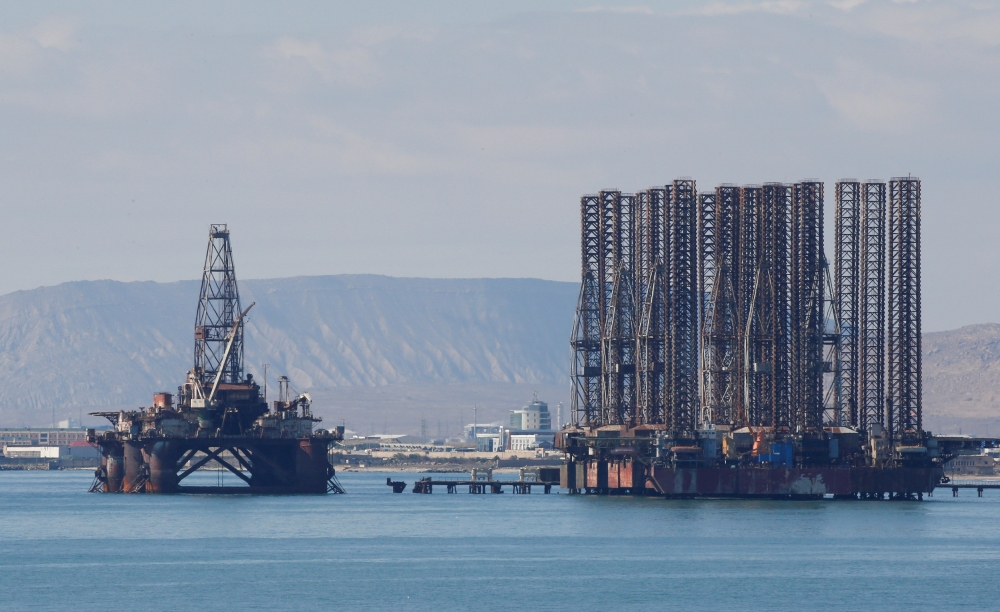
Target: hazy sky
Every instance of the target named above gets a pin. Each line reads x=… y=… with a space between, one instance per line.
x=454 y=139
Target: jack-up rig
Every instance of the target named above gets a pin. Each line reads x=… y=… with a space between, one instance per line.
x=219 y=416
x=715 y=354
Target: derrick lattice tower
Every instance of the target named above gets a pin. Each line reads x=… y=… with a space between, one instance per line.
x=904 y=392
x=871 y=364
x=218 y=310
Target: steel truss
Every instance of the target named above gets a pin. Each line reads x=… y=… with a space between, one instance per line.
x=749 y=242
x=905 y=419
x=653 y=330
x=807 y=307
x=721 y=331
x=716 y=309
x=706 y=283
x=621 y=325
x=848 y=261
x=871 y=315
x=683 y=307
x=586 y=341
x=766 y=332
x=218 y=310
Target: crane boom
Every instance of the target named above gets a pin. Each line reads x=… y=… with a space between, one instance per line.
x=225 y=356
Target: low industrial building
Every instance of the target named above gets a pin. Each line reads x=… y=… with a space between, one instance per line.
x=75 y=450
x=492 y=442
x=472 y=430
x=42 y=436
x=531 y=441
x=971 y=465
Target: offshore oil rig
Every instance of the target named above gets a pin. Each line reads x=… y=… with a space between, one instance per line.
x=716 y=354
x=219 y=415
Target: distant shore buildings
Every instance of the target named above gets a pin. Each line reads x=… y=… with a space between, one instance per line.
x=529 y=428
x=64 y=444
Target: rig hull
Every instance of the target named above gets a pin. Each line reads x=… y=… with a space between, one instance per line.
x=277 y=466
x=632 y=477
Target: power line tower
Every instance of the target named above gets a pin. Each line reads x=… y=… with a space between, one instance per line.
x=218 y=310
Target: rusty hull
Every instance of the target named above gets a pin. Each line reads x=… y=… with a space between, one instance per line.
x=751 y=482
x=632 y=477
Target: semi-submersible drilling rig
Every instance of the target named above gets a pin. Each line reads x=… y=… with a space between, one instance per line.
x=716 y=355
x=218 y=415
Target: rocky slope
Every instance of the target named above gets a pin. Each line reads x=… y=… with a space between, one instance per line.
x=380 y=353
x=962 y=380
x=108 y=344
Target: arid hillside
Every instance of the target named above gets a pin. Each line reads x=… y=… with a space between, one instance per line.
x=962 y=380
x=381 y=354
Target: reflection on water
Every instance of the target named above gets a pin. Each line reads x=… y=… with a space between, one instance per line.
x=372 y=549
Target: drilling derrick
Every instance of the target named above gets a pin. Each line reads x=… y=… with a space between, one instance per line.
x=647 y=213
x=848 y=260
x=609 y=202
x=871 y=362
x=807 y=307
x=619 y=342
x=729 y=294
x=750 y=204
x=905 y=422
x=706 y=282
x=767 y=373
x=683 y=307
x=721 y=331
x=706 y=254
x=653 y=330
x=218 y=310
x=589 y=319
x=219 y=415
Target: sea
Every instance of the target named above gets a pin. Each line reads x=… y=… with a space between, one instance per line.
x=62 y=548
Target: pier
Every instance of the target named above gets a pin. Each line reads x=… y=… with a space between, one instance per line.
x=978 y=485
x=482 y=482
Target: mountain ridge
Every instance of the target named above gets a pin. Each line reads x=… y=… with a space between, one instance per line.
x=370 y=348
x=110 y=343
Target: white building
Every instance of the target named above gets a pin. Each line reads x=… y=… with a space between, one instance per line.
x=34 y=452
x=492 y=442
x=42 y=436
x=533 y=417
x=472 y=431
x=527 y=442
x=75 y=450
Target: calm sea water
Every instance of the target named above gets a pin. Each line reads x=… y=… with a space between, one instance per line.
x=62 y=548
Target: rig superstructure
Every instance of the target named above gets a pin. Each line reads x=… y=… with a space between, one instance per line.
x=218 y=415
x=716 y=353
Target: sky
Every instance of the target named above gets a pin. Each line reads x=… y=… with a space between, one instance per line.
x=454 y=139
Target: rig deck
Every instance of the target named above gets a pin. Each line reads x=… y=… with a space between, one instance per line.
x=716 y=352
x=221 y=415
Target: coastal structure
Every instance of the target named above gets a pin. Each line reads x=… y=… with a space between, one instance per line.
x=717 y=352
x=531 y=427
x=532 y=417
x=220 y=414
x=41 y=436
